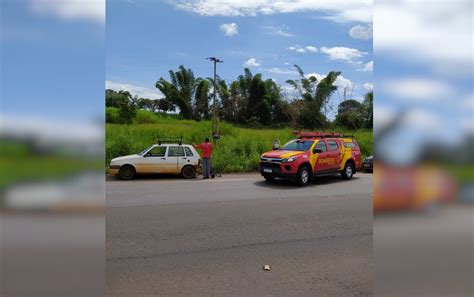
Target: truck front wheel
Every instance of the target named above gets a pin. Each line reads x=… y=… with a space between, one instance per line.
x=303 y=177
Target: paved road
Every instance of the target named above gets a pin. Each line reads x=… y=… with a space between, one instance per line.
x=169 y=237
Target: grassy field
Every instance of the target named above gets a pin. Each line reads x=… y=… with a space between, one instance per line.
x=238 y=149
x=20 y=165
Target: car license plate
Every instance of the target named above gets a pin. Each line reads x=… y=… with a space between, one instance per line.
x=267 y=170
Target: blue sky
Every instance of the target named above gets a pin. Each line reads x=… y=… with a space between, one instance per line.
x=52 y=62
x=56 y=59
x=145 y=39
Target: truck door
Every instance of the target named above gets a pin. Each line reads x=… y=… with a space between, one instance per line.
x=334 y=154
x=320 y=159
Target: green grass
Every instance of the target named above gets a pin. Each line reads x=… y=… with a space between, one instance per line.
x=19 y=164
x=238 y=149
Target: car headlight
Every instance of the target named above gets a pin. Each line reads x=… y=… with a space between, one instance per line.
x=290 y=159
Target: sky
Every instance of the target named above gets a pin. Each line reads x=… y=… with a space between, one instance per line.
x=145 y=39
x=58 y=55
x=52 y=59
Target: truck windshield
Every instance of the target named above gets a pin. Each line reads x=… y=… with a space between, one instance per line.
x=298 y=145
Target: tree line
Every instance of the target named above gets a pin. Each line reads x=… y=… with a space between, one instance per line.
x=249 y=100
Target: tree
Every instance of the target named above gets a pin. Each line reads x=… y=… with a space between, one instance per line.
x=316 y=97
x=114 y=98
x=147 y=104
x=163 y=105
x=180 y=91
x=350 y=114
x=201 y=101
x=368 y=106
x=124 y=101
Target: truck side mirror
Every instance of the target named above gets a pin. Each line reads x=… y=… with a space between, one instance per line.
x=317 y=150
x=276 y=145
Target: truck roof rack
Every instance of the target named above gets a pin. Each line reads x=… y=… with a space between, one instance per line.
x=317 y=134
x=161 y=140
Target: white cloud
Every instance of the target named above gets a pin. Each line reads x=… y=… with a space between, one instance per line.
x=367 y=67
x=279 y=31
x=308 y=48
x=229 y=29
x=418 y=88
x=361 y=32
x=382 y=115
x=140 y=91
x=335 y=10
x=252 y=62
x=283 y=71
x=341 y=81
x=422 y=119
x=76 y=10
x=439 y=35
x=369 y=86
x=342 y=53
x=468 y=102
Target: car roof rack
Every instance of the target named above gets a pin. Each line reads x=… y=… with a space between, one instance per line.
x=317 y=134
x=161 y=140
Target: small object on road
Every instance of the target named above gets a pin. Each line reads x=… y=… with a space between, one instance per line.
x=266 y=268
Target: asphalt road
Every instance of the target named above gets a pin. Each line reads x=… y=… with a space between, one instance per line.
x=171 y=237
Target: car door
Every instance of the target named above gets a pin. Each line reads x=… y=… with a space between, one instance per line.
x=154 y=161
x=175 y=154
x=320 y=159
x=334 y=154
x=188 y=159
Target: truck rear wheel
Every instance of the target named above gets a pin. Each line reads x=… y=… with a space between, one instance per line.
x=348 y=171
x=303 y=177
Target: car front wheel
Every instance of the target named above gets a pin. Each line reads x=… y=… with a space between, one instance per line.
x=127 y=172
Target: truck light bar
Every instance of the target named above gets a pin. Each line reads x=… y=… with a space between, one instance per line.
x=302 y=134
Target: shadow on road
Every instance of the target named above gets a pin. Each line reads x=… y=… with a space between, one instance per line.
x=151 y=176
x=285 y=184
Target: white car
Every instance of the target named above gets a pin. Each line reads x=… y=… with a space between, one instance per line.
x=170 y=158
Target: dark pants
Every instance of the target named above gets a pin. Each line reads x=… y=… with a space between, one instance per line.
x=207 y=166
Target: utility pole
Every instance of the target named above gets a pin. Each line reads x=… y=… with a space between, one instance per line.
x=215 y=115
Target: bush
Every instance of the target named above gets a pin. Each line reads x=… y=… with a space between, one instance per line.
x=238 y=149
x=112 y=115
x=145 y=117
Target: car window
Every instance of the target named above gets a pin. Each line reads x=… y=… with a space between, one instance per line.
x=349 y=144
x=188 y=151
x=157 y=151
x=321 y=145
x=176 y=151
x=333 y=145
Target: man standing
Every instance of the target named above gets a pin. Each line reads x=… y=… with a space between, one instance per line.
x=206 y=148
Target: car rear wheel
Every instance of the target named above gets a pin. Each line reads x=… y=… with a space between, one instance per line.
x=269 y=178
x=348 y=171
x=303 y=177
x=127 y=172
x=188 y=172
